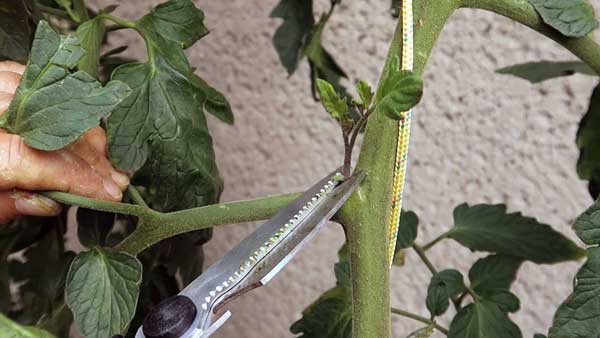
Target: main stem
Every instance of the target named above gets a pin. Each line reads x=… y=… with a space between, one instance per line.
x=366 y=214
x=365 y=222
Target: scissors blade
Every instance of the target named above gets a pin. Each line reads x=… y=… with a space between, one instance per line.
x=261 y=255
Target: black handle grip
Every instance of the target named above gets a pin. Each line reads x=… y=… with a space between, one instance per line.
x=171 y=318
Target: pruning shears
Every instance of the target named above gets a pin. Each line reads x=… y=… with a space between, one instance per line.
x=200 y=309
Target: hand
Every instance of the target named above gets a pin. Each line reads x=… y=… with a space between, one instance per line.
x=81 y=168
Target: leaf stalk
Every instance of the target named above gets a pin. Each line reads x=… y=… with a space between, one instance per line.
x=438 y=239
x=154 y=226
x=136 y=197
x=421 y=253
x=421 y=319
x=53 y=11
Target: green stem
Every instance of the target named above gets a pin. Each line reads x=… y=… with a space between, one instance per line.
x=136 y=197
x=586 y=48
x=421 y=319
x=118 y=21
x=366 y=222
x=435 y=241
x=81 y=10
x=457 y=301
x=53 y=11
x=154 y=226
x=114 y=28
x=367 y=213
x=59 y=318
x=132 y=25
x=471 y=292
x=90 y=203
x=155 y=229
x=350 y=141
x=421 y=253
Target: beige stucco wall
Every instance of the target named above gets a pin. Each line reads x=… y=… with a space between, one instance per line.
x=477 y=137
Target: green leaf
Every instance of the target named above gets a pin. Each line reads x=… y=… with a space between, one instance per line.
x=102 y=291
x=41 y=276
x=494 y=272
x=407 y=233
x=342 y=274
x=594 y=185
x=399 y=257
x=390 y=72
x=59 y=322
x=24 y=232
x=53 y=107
x=90 y=34
x=157 y=285
x=43 y=270
x=66 y=4
x=579 y=314
x=486 y=227
x=322 y=65
x=573 y=18
x=365 y=92
x=343 y=253
x=161 y=129
x=395 y=8
x=588 y=139
x=75 y=8
x=94 y=226
x=214 y=101
x=504 y=299
x=403 y=97
x=328 y=317
x=177 y=20
x=400 y=91
x=109 y=64
x=299 y=36
x=11 y=329
x=290 y=37
x=587 y=225
x=16 y=30
x=335 y=105
x=407 y=229
x=483 y=319
x=444 y=285
x=114 y=51
x=183 y=254
x=536 y=72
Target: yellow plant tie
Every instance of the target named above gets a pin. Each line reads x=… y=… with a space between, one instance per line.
x=403 y=129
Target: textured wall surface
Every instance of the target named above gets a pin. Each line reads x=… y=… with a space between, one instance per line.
x=478 y=137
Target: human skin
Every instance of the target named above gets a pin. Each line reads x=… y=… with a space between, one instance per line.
x=81 y=168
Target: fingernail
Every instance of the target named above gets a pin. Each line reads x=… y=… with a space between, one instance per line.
x=112 y=189
x=36 y=205
x=120 y=178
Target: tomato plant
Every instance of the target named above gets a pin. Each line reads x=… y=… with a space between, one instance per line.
x=137 y=252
